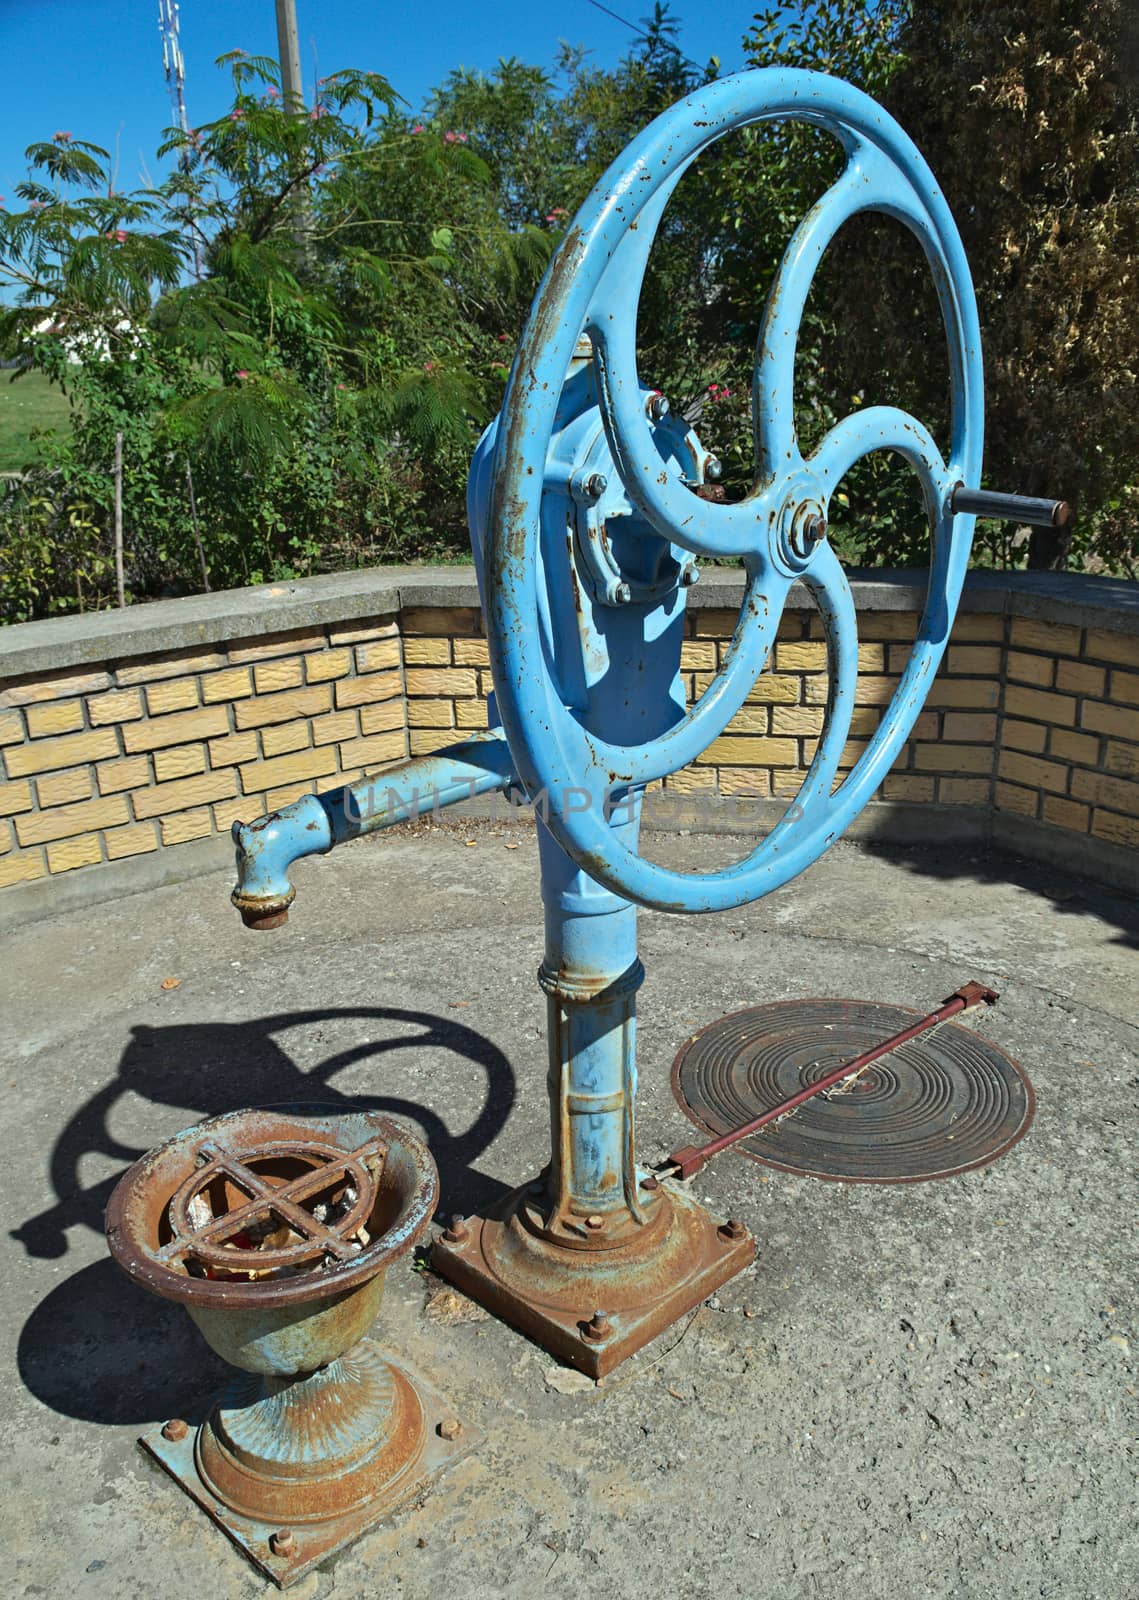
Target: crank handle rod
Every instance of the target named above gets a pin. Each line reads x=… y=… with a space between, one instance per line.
x=684 y=1164
x=1010 y=507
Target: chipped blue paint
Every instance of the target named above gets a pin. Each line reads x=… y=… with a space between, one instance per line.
x=586 y=529
x=604 y=713
x=267 y=848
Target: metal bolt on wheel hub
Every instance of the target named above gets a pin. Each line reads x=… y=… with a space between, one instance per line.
x=939 y=1105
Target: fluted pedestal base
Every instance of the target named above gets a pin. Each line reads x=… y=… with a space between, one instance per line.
x=318 y=1459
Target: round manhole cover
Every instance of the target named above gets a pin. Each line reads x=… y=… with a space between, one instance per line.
x=939 y=1105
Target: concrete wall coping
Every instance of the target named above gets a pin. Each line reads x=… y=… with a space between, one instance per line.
x=163 y=626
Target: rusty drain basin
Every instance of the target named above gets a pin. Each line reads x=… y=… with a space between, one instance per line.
x=275 y=1228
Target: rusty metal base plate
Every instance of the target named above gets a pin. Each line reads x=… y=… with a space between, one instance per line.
x=942 y=1104
x=316 y=1541
x=549 y=1292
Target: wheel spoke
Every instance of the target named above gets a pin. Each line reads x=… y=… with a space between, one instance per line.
x=948 y=559
x=666 y=503
x=881 y=428
x=828 y=583
x=707 y=529
x=622 y=766
x=751 y=644
x=773 y=383
x=704 y=527
x=887 y=428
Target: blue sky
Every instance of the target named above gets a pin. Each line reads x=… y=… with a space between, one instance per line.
x=94 y=67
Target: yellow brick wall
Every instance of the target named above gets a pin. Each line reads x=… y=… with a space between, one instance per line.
x=102 y=764
x=1070 y=738
x=1036 y=719
x=767 y=748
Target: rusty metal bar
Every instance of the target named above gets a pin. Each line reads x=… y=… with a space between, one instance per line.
x=280 y=1200
x=687 y=1162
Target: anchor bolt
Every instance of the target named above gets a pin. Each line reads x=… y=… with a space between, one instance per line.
x=731 y=1230
x=595 y=1223
x=598 y=1327
x=456 y=1231
x=175 y=1429
x=283 y=1542
x=658 y=407
x=450 y=1428
x=596 y=485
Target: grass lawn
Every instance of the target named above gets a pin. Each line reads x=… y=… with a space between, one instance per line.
x=30 y=402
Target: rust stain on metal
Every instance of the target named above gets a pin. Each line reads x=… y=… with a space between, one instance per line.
x=646 y=1276
x=687 y=1162
x=932 y=1101
x=275 y=1228
x=191 y=1208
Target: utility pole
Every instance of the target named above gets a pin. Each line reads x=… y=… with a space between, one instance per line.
x=289 y=50
x=293 y=100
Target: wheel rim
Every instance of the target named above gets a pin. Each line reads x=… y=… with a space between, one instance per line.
x=592 y=285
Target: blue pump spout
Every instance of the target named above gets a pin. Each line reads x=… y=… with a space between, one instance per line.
x=267 y=848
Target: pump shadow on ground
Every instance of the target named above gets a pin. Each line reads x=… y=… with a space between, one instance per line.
x=141 y=1359
x=1070 y=894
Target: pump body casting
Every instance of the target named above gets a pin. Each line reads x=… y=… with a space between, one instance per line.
x=587 y=530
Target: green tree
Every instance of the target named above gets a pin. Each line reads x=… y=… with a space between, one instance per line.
x=307 y=444
x=747 y=198
x=1029 y=117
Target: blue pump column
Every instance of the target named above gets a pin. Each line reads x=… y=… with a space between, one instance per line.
x=591 y=974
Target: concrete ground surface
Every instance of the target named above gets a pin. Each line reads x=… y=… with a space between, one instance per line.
x=920 y=1390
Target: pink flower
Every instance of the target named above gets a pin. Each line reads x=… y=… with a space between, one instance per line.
x=558 y=211
x=119 y=235
x=242 y=373
x=316 y=113
x=60 y=138
x=341 y=386
x=236 y=116
x=502 y=338
x=273 y=93
x=429 y=366
x=454 y=138
x=418 y=128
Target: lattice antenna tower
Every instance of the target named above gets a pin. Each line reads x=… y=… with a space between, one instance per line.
x=174 y=69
